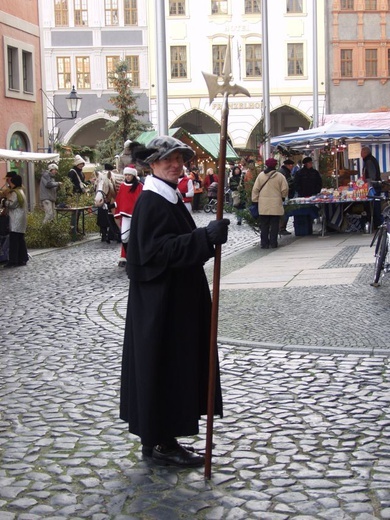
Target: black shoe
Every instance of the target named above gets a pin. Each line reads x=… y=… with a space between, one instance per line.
x=176 y=456
x=147 y=451
x=284 y=232
x=264 y=247
x=274 y=247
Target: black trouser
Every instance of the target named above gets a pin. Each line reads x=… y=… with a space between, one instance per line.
x=196 y=201
x=283 y=222
x=17 y=249
x=269 y=230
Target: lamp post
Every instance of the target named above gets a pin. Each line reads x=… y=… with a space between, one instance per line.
x=73 y=102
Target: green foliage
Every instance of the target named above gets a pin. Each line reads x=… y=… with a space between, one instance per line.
x=90 y=223
x=65 y=192
x=252 y=222
x=328 y=181
x=50 y=234
x=128 y=124
x=245 y=213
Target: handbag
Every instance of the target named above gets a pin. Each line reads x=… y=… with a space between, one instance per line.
x=254 y=210
x=83 y=187
x=236 y=198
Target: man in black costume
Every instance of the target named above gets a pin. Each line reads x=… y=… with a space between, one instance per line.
x=286 y=169
x=307 y=180
x=164 y=382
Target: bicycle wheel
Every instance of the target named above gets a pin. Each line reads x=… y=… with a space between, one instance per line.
x=207 y=208
x=380 y=255
x=214 y=208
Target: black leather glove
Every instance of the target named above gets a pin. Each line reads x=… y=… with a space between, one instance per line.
x=110 y=205
x=217 y=231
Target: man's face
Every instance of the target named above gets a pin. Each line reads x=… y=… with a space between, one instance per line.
x=363 y=153
x=170 y=168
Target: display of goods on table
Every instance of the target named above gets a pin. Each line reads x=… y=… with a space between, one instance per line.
x=355 y=191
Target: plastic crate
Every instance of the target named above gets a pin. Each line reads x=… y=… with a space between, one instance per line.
x=303 y=225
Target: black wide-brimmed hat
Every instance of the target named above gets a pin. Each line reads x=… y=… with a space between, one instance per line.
x=159 y=148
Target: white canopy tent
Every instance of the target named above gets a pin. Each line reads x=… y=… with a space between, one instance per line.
x=16 y=155
x=29 y=158
x=332 y=131
x=333 y=135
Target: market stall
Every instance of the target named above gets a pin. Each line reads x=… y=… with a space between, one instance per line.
x=338 y=140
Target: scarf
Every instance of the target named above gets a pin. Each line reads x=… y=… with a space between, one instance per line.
x=19 y=196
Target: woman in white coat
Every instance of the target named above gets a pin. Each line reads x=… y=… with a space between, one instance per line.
x=269 y=191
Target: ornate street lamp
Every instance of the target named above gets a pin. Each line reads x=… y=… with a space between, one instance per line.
x=73 y=102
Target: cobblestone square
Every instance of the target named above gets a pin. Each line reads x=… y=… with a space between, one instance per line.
x=305 y=375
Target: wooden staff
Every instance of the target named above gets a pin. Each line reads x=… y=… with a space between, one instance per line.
x=216 y=285
x=225 y=88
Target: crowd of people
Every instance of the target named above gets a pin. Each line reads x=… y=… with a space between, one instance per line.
x=246 y=182
x=193 y=188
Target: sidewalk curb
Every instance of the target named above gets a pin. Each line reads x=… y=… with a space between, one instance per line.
x=374 y=352
x=36 y=252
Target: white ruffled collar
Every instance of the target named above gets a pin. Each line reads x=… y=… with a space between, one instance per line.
x=161 y=188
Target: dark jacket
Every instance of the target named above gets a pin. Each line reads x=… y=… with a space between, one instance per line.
x=371 y=170
x=290 y=181
x=165 y=353
x=74 y=175
x=307 y=182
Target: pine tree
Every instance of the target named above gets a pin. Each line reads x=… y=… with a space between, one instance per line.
x=128 y=124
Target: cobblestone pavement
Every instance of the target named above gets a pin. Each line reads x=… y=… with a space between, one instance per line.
x=306 y=432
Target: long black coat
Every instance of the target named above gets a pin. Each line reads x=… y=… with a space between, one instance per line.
x=307 y=182
x=166 y=345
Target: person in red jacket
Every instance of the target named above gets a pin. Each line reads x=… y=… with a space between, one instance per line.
x=126 y=198
x=186 y=188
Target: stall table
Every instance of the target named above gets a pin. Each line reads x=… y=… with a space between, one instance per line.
x=74 y=214
x=321 y=203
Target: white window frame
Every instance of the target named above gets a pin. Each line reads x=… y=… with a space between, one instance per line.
x=18 y=92
x=185 y=15
x=304 y=61
x=179 y=79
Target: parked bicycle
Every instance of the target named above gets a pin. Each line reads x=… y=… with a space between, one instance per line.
x=381 y=241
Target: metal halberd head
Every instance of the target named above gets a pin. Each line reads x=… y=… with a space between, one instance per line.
x=215 y=87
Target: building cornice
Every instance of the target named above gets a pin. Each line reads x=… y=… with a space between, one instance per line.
x=18 y=23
